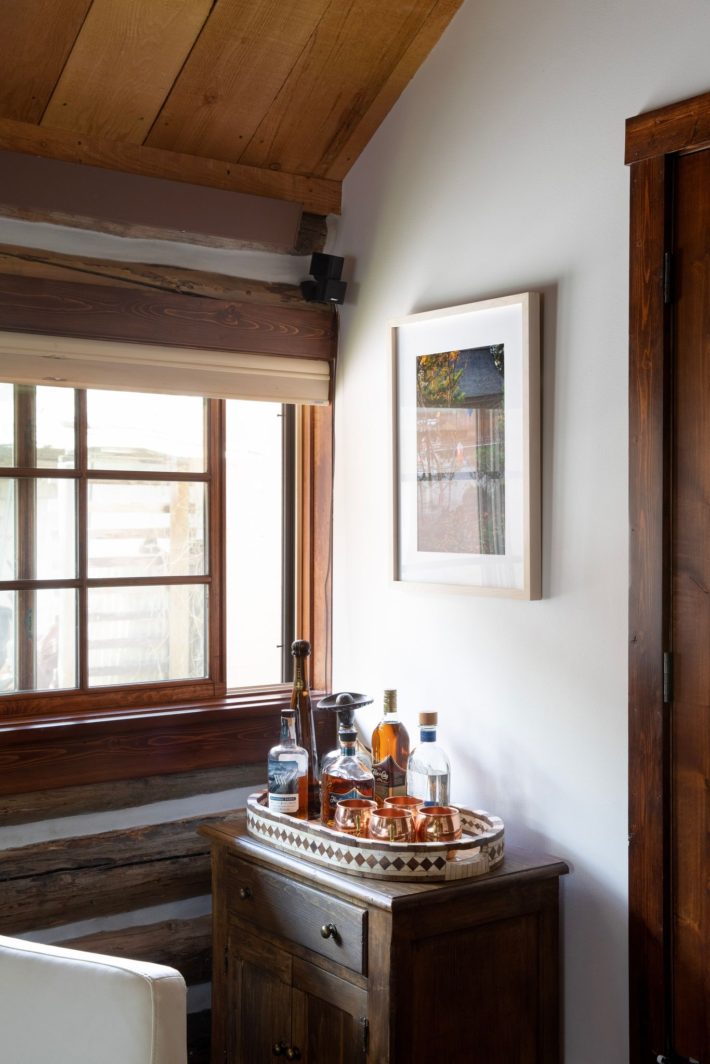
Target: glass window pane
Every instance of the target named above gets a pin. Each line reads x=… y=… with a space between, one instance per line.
x=147 y=634
x=146 y=528
x=8 y=561
x=55 y=529
x=139 y=431
x=7 y=426
x=254 y=546
x=54 y=421
x=43 y=633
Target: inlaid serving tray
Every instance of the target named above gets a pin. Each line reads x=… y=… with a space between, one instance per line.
x=479 y=849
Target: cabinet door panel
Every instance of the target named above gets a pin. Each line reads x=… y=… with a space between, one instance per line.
x=326 y=1034
x=259 y=1000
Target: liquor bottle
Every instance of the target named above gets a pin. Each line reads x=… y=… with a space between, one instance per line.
x=347 y=777
x=288 y=771
x=305 y=735
x=390 y=752
x=428 y=771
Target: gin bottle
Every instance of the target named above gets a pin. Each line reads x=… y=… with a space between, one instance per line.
x=301 y=704
x=428 y=771
x=288 y=771
x=390 y=752
x=346 y=777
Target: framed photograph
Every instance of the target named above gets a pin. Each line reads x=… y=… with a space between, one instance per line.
x=466 y=389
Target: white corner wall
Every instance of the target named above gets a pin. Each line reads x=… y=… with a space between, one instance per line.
x=501 y=170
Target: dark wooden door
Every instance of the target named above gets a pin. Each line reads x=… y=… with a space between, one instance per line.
x=329 y=1017
x=690 y=613
x=259 y=1002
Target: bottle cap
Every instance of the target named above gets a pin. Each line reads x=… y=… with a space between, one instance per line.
x=347 y=735
x=390 y=702
x=429 y=719
x=300 y=648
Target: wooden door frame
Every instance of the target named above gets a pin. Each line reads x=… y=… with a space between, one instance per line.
x=653 y=141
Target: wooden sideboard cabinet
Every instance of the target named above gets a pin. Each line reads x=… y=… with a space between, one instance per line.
x=326 y=968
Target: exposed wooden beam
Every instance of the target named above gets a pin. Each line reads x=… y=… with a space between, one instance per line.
x=77 y=269
x=315 y=194
x=683 y=126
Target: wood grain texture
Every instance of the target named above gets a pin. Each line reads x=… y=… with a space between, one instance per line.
x=338 y=76
x=37 y=37
x=122 y=66
x=79 y=269
x=691 y=610
x=52 y=883
x=648 y=625
x=124 y=794
x=315 y=194
x=679 y=127
x=314 y=552
x=177 y=320
x=350 y=143
x=237 y=68
x=182 y=944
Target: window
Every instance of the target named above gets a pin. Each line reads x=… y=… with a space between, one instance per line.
x=112 y=545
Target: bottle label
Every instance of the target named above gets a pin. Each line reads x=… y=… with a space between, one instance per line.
x=390 y=778
x=334 y=798
x=283 y=786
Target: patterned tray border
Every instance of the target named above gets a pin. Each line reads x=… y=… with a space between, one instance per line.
x=479 y=850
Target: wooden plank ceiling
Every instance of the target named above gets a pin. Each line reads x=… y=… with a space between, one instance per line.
x=268 y=97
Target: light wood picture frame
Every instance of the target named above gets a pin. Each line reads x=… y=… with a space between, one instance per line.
x=466 y=447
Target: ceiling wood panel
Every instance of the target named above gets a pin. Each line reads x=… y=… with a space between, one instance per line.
x=275 y=98
x=237 y=67
x=333 y=84
x=37 y=36
x=346 y=148
x=123 y=64
x=317 y=195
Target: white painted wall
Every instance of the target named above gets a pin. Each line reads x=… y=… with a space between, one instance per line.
x=501 y=170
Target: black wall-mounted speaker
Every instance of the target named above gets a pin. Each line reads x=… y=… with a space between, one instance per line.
x=327 y=286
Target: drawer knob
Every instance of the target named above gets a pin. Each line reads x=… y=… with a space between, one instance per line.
x=329 y=931
x=293 y=1053
x=244 y=893
x=278 y=1049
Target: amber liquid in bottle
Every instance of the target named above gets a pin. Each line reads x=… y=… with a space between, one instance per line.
x=301 y=703
x=346 y=777
x=390 y=752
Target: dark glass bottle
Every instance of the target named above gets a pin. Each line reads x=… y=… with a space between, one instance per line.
x=305 y=735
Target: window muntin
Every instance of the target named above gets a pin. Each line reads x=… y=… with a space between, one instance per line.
x=134 y=549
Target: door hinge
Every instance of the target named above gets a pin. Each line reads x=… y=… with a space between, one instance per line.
x=668 y=277
x=364 y=1034
x=667 y=676
x=226 y=960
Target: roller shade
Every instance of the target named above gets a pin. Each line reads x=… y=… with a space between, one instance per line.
x=65 y=361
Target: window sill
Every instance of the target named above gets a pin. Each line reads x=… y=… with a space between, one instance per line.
x=57 y=751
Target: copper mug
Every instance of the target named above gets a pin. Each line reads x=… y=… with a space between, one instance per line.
x=438 y=823
x=407 y=801
x=352 y=816
x=389 y=824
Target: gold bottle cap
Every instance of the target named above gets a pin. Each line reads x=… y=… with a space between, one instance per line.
x=432 y=719
x=390 y=702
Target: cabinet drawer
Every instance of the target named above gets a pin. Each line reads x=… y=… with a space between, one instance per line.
x=326 y=925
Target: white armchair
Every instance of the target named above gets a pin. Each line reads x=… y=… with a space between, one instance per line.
x=68 y=1007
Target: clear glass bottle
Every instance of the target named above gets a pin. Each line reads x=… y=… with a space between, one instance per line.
x=390 y=752
x=305 y=734
x=288 y=771
x=429 y=771
x=346 y=777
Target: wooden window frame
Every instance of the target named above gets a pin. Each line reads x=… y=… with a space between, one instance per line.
x=653 y=140
x=103 y=741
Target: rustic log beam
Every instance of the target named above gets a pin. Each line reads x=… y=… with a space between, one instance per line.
x=77 y=269
x=124 y=794
x=182 y=944
x=51 y=883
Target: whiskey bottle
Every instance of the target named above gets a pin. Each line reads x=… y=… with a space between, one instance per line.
x=346 y=777
x=390 y=752
x=288 y=771
x=305 y=735
x=428 y=771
